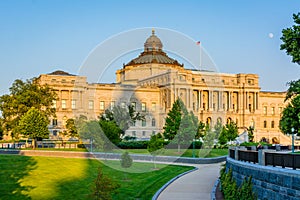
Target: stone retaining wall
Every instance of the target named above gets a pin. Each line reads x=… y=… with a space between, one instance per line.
x=268 y=182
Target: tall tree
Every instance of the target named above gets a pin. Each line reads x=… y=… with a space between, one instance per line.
x=173 y=120
x=104 y=187
x=291 y=40
x=201 y=130
x=229 y=133
x=290 y=115
x=23 y=96
x=112 y=133
x=71 y=128
x=187 y=130
x=123 y=117
x=294 y=89
x=156 y=146
x=251 y=133
x=34 y=124
x=290 y=118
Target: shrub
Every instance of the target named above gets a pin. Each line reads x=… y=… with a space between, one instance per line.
x=230 y=189
x=133 y=145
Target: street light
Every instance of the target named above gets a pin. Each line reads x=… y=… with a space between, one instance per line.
x=293 y=139
x=193 y=148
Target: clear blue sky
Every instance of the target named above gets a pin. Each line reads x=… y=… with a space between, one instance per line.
x=40 y=36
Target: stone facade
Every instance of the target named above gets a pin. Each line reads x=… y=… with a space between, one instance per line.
x=153 y=81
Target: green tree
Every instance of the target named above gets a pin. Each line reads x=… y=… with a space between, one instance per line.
x=155 y=146
x=104 y=187
x=187 y=130
x=34 y=124
x=229 y=133
x=218 y=128
x=251 y=133
x=201 y=130
x=123 y=117
x=91 y=130
x=290 y=117
x=291 y=40
x=23 y=96
x=232 y=131
x=1 y=129
x=208 y=141
x=294 y=89
x=71 y=128
x=112 y=133
x=290 y=114
x=173 y=120
x=126 y=162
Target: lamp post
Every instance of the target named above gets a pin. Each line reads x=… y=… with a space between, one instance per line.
x=293 y=140
x=193 y=148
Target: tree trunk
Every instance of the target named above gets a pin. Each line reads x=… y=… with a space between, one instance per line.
x=178 y=147
x=34 y=143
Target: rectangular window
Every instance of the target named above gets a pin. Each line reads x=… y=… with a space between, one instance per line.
x=112 y=105
x=54 y=122
x=63 y=104
x=153 y=122
x=133 y=104
x=265 y=110
x=133 y=133
x=265 y=124
x=153 y=106
x=273 y=110
x=132 y=123
x=143 y=106
x=153 y=132
x=272 y=124
x=102 y=105
x=73 y=104
x=143 y=123
x=91 y=104
x=54 y=104
x=144 y=133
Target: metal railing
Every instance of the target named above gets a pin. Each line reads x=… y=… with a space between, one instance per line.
x=283 y=160
x=275 y=159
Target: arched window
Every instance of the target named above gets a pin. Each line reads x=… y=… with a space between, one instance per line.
x=229 y=120
x=208 y=121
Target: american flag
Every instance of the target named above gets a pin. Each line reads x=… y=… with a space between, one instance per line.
x=198 y=42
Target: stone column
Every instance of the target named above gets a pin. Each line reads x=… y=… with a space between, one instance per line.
x=210 y=99
x=201 y=99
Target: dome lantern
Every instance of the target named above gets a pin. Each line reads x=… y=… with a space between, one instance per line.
x=153 y=43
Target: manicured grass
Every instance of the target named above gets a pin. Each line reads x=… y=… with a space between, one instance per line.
x=23 y=177
x=59 y=149
x=202 y=153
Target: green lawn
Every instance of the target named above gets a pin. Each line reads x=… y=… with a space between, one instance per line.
x=202 y=153
x=24 y=177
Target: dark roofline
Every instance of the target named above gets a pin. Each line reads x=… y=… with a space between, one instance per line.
x=61 y=73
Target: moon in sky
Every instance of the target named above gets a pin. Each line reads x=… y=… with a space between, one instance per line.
x=271 y=35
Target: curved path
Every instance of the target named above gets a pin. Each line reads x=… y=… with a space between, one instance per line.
x=195 y=185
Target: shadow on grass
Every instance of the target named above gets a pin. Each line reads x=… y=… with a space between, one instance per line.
x=12 y=170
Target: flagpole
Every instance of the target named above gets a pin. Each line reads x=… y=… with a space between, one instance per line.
x=200 y=55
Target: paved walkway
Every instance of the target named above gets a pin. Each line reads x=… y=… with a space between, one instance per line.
x=195 y=185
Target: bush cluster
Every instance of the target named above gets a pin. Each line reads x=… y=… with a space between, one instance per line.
x=133 y=145
x=232 y=191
